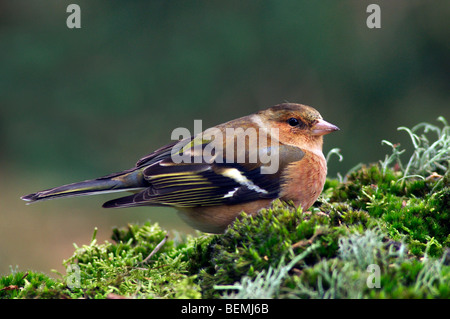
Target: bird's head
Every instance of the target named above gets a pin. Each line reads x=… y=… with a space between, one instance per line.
x=297 y=124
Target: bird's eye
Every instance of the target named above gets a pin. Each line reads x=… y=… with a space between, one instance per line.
x=293 y=121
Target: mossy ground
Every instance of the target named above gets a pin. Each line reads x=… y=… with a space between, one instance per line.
x=327 y=252
x=383 y=232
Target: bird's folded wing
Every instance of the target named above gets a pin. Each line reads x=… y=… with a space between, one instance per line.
x=198 y=182
x=206 y=181
x=191 y=185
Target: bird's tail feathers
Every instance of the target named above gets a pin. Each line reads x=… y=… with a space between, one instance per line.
x=120 y=182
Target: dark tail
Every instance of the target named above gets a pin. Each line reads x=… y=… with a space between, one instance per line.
x=125 y=181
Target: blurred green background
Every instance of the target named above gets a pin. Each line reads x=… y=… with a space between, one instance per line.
x=81 y=103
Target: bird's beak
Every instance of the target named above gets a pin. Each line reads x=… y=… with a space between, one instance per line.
x=323 y=127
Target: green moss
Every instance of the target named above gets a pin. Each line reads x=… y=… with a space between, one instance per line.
x=254 y=244
x=118 y=268
x=27 y=285
x=415 y=210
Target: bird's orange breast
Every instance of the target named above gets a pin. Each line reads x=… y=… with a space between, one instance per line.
x=304 y=180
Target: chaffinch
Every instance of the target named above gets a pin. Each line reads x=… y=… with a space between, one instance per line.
x=238 y=166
